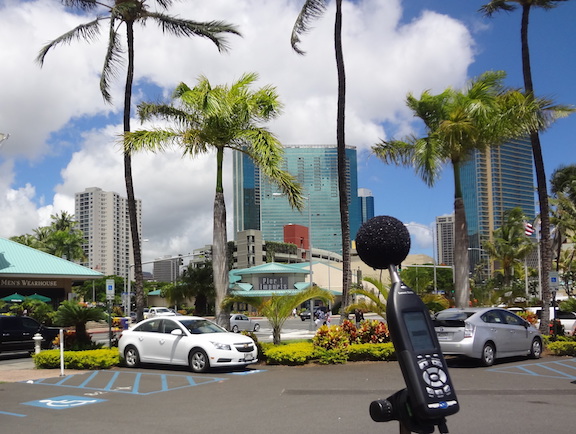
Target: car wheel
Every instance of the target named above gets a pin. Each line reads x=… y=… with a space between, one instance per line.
x=131 y=357
x=488 y=354
x=256 y=327
x=235 y=329
x=199 y=361
x=536 y=349
x=302 y=318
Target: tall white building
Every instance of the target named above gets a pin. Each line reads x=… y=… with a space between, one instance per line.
x=102 y=217
x=445 y=239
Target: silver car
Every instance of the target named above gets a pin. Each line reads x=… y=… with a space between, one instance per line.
x=486 y=334
x=185 y=340
x=242 y=322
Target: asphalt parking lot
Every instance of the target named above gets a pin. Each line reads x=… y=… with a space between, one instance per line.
x=518 y=396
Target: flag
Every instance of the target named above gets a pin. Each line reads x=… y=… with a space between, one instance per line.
x=528 y=229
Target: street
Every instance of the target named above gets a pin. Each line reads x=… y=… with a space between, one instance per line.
x=516 y=396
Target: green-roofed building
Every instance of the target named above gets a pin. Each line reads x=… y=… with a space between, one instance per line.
x=28 y=271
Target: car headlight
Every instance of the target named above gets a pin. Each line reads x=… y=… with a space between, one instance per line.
x=220 y=346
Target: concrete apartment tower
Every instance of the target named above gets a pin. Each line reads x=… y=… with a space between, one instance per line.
x=102 y=217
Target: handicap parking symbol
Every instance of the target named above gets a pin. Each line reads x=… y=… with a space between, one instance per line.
x=64 y=402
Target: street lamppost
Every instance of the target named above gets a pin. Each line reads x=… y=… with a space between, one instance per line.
x=308 y=199
x=433 y=232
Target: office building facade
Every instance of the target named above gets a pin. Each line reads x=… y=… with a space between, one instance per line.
x=259 y=205
x=493 y=181
x=103 y=218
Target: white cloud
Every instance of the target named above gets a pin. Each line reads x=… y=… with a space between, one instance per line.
x=385 y=58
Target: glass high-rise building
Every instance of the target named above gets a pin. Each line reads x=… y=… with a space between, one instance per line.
x=259 y=205
x=366 y=204
x=493 y=181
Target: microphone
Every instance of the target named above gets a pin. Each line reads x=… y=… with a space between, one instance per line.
x=383 y=241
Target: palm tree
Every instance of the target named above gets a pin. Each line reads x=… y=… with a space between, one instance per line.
x=371 y=301
x=563 y=183
x=510 y=245
x=65 y=244
x=457 y=123
x=217 y=118
x=200 y=285
x=63 y=221
x=311 y=10
x=130 y=12
x=72 y=313
x=278 y=308
x=488 y=10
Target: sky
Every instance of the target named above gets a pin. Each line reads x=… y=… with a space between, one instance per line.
x=64 y=137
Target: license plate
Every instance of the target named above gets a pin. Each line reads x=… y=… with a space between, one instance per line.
x=443 y=336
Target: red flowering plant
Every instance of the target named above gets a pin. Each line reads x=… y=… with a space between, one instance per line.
x=350 y=330
x=373 y=331
x=330 y=338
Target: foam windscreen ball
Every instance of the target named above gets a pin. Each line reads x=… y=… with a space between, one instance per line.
x=383 y=241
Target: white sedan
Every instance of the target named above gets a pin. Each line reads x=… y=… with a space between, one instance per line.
x=185 y=340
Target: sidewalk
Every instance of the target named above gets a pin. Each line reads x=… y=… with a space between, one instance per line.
x=24 y=370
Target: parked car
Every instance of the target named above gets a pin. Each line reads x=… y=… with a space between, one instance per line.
x=567 y=319
x=305 y=314
x=242 y=322
x=486 y=334
x=158 y=311
x=185 y=340
x=17 y=332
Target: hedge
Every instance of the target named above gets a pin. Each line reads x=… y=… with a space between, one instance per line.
x=89 y=359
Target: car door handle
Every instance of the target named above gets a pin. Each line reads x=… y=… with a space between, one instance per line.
x=162 y=341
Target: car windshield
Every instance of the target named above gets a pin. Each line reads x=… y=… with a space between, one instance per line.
x=199 y=326
x=454 y=318
x=162 y=310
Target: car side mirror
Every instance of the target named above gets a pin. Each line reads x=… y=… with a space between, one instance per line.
x=176 y=332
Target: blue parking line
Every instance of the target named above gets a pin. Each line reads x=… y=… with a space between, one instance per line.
x=7 y=413
x=532 y=369
x=111 y=382
x=135 y=385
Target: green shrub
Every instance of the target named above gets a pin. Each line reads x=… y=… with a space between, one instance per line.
x=290 y=354
x=90 y=359
x=562 y=348
x=374 y=352
x=330 y=345
x=331 y=356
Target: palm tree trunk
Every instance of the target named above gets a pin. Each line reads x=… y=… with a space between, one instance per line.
x=341 y=150
x=461 y=243
x=132 y=211
x=219 y=256
x=276 y=337
x=545 y=251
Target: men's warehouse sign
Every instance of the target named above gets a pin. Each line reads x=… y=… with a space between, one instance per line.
x=29 y=283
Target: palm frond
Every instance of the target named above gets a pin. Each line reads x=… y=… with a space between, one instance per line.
x=112 y=61
x=312 y=10
x=154 y=141
x=84 y=5
x=496 y=6
x=88 y=32
x=211 y=30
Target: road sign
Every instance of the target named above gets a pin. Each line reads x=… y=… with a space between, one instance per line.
x=554 y=280
x=109 y=289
